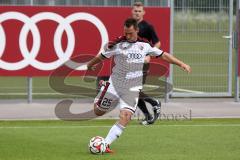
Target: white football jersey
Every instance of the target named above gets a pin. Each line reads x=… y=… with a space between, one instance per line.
x=129 y=60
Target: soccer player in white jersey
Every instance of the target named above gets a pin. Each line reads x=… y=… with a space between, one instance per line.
x=125 y=82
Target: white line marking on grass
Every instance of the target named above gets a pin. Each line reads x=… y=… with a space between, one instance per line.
x=188 y=91
x=23 y=94
x=201 y=125
x=49 y=127
x=133 y=126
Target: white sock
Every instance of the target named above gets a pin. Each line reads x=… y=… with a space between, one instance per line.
x=114 y=133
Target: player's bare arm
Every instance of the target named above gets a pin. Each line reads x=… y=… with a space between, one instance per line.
x=173 y=60
x=91 y=64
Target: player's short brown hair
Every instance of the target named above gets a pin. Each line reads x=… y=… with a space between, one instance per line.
x=131 y=22
x=138 y=4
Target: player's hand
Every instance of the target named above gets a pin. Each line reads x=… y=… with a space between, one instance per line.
x=186 y=68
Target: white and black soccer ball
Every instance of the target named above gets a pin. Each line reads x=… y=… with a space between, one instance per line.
x=97 y=145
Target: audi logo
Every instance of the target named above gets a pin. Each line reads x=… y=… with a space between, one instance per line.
x=30 y=25
x=134 y=56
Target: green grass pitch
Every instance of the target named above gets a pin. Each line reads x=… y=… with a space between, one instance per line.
x=197 y=139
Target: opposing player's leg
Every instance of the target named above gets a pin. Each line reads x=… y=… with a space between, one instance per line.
x=142 y=106
x=156 y=105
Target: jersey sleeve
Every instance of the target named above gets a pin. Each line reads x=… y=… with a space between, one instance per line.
x=112 y=47
x=154 y=51
x=109 y=52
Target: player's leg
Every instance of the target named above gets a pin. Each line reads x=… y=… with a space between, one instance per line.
x=98 y=111
x=98 y=82
x=128 y=104
x=106 y=99
x=118 y=127
x=156 y=105
x=142 y=106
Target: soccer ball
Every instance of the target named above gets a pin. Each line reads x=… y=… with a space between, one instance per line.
x=97 y=145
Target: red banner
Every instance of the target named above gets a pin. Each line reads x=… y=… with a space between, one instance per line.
x=37 y=40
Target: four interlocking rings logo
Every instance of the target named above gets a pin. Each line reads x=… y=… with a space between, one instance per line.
x=64 y=24
x=134 y=56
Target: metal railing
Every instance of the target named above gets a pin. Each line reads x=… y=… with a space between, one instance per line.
x=203 y=38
